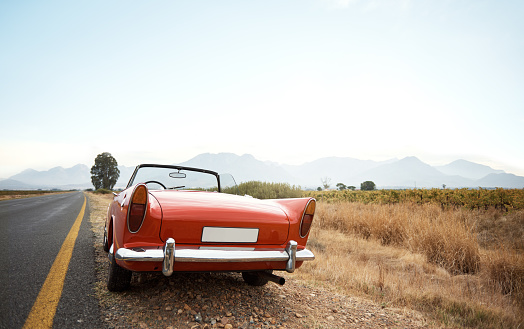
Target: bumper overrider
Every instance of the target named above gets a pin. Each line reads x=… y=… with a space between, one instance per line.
x=169 y=255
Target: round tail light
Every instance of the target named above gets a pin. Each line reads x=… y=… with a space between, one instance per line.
x=307 y=218
x=137 y=208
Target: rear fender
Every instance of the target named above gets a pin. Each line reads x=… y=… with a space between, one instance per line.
x=294 y=209
x=149 y=232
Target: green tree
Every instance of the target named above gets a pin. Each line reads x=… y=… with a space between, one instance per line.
x=104 y=173
x=352 y=188
x=368 y=186
x=341 y=186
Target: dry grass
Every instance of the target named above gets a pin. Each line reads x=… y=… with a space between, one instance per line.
x=505 y=269
x=462 y=268
x=12 y=194
x=495 y=230
x=420 y=257
x=444 y=237
x=98 y=209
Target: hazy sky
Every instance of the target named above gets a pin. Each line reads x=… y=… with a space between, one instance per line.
x=286 y=81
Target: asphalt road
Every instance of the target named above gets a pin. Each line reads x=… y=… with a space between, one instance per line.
x=32 y=231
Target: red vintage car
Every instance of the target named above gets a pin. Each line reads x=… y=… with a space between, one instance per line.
x=181 y=219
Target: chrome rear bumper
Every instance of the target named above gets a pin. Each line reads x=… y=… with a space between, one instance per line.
x=169 y=255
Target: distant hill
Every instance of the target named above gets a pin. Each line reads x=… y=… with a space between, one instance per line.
x=11 y=184
x=243 y=168
x=57 y=176
x=408 y=172
x=501 y=180
x=467 y=169
x=77 y=177
x=340 y=170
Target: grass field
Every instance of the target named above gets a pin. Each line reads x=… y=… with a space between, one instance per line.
x=461 y=267
x=13 y=194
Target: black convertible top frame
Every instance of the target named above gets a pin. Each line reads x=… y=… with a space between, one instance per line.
x=177 y=168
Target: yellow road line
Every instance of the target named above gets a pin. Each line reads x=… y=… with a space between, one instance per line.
x=44 y=308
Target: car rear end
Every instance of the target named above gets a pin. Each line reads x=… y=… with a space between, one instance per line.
x=220 y=232
x=190 y=231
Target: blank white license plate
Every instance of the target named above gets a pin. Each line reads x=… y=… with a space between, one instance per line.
x=229 y=234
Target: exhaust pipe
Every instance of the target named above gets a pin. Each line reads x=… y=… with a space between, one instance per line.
x=271 y=277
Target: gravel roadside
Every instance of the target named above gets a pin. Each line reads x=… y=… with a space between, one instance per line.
x=223 y=300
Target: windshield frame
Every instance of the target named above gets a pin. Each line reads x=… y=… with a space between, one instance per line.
x=175 y=167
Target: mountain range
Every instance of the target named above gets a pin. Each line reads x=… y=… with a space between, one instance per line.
x=409 y=172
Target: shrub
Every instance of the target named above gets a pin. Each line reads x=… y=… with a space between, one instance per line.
x=506 y=269
x=449 y=245
x=265 y=190
x=103 y=191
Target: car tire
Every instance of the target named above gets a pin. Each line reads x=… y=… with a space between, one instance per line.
x=105 y=243
x=118 y=279
x=253 y=279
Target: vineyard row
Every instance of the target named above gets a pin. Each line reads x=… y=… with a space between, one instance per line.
x=503 y=199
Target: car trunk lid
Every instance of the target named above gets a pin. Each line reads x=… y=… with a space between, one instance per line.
x=196 y=217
